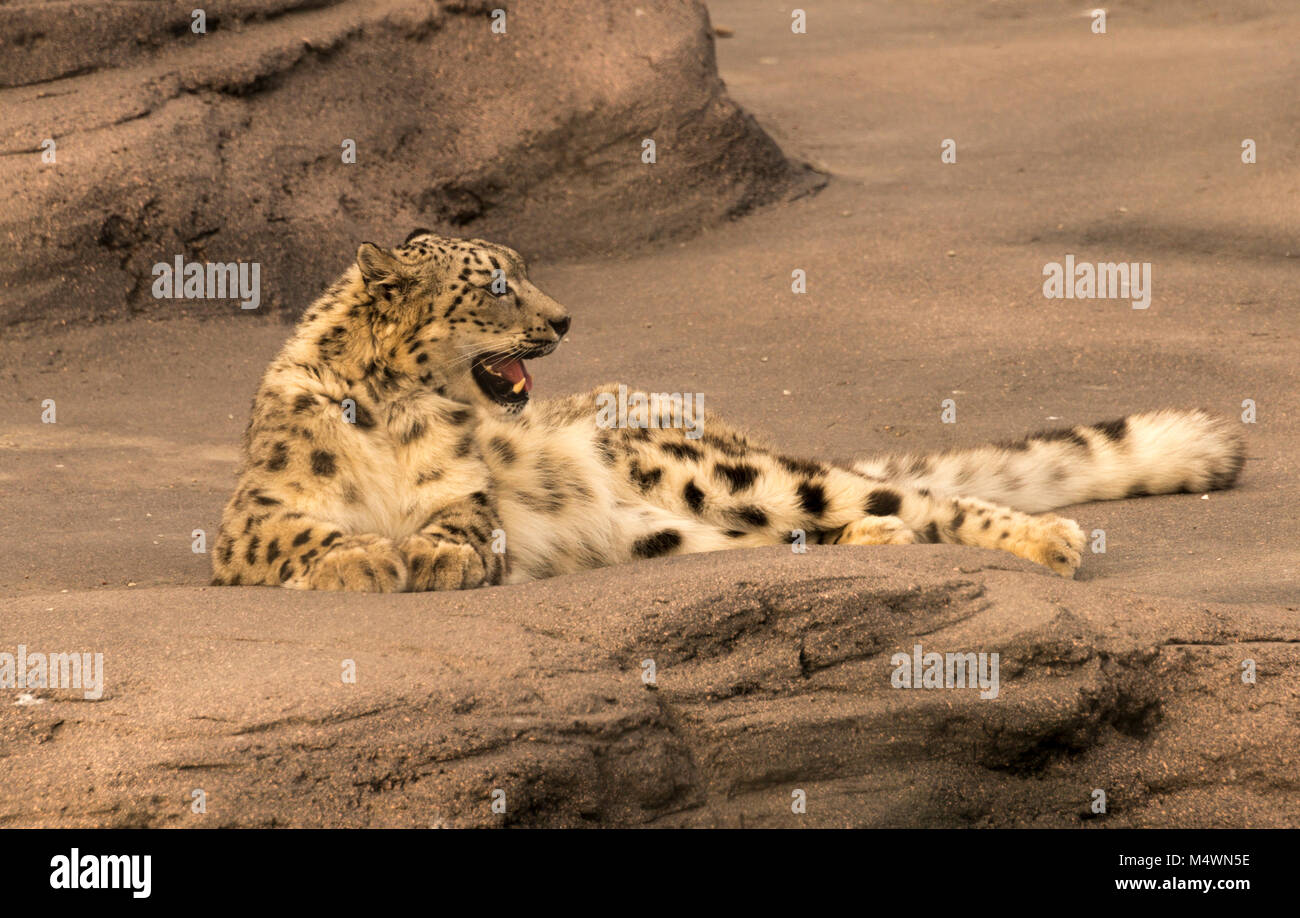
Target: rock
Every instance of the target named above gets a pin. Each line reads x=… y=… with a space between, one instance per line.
x=772 y=675
x=229 y=146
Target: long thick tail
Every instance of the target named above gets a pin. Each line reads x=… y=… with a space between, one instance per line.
x=1156 y=452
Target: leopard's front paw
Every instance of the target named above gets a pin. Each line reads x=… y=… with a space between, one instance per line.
x=435 y=564
x=361 y=563
x=1056 y=543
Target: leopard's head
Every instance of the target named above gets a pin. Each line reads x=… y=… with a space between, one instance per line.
x=466 y=315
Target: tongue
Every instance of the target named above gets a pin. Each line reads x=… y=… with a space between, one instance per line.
x=513 y=370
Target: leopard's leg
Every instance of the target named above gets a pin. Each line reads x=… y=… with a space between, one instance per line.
x=275 y=547
x=454 y=549
x=1052 y=541
x=749 y=495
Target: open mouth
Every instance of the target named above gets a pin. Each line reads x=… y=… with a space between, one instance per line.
x=504 y=378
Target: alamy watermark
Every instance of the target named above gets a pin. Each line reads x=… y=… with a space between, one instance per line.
x=921 y=670
x=654 y=410
x=1101 y=281
x=25 y=670
x=214 y=280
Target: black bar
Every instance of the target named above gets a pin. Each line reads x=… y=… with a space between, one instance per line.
x=331 y=867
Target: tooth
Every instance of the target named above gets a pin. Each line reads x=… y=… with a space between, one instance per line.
x=519 y=386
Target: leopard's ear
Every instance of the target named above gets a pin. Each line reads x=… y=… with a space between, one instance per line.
x=418 y=231
x=379 y=266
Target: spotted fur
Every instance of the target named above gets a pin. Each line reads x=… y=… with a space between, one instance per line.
x=375 y=461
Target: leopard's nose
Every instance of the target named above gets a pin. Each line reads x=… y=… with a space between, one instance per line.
x=561 y=326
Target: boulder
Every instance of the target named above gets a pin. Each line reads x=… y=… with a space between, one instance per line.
x=695 y=691
x=234 y=144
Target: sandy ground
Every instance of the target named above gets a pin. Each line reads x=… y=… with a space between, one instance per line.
x=924 y=284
